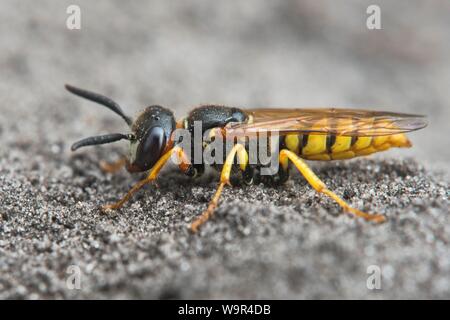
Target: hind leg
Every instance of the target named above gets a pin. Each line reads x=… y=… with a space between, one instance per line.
x=319 y=186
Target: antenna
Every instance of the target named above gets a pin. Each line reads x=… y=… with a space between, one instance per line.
x=95 y=97
x=96 y=140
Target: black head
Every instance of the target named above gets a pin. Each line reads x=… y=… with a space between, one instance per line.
x=152 y=130
x=149 y=137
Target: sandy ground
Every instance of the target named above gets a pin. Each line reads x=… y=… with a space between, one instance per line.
x=286 y=242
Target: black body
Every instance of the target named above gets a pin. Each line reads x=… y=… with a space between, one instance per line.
x=151 y=135
x=210 y=116
x=152 y=130
x=216 y=116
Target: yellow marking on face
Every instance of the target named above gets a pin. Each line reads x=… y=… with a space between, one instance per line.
x=342 y=144
x=362 y=143
x=292 y=142
x=343 y=155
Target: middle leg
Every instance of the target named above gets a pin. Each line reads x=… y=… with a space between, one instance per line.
x=238 y=149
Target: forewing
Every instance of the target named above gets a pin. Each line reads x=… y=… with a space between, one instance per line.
x=345 y=122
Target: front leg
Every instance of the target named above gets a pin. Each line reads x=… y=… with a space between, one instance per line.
x=151 y=177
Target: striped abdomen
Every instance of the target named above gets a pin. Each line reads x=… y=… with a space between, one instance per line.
x=332 y=147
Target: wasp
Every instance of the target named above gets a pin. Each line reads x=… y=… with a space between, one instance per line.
x=304 y=134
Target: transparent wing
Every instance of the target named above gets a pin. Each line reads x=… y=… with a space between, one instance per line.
x=345 y=122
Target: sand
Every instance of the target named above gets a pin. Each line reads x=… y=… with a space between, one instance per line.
x=264 y=242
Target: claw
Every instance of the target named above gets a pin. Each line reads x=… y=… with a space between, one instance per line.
x=112 y=167
x=377 y=218
x=107 y=208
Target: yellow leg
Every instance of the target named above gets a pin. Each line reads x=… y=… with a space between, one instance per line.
x=151 y=177
x=319 y=186
x=114 y=166
x=224 y=179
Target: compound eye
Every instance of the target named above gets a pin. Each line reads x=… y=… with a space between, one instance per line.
x=150 y=148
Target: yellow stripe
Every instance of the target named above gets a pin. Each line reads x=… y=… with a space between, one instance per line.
x=343 y=155
x=342 y=144
x=292 y=142
x=320 y=157
x=317 y=143
x=366 y=151
x=378 y=141
x=362 y=143
x=399 y=140
x=383 y=147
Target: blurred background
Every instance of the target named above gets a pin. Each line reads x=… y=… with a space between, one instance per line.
x=252 y=53
x=287 y=53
